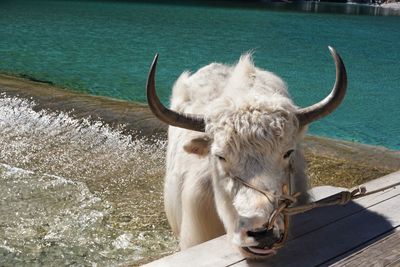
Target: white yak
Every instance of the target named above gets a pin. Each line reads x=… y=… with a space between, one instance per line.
x=229 y=122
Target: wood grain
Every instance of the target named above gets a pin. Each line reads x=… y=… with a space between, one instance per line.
x=383 y=252
x=323 y=237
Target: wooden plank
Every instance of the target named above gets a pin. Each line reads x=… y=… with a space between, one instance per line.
x=311 y=221
x=322 y=234
x=325 y=244
x=383 y=252
x=218 y=252
x=383 y=181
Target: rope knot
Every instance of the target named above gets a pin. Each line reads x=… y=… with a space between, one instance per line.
x=361 y=190
x=345 y=197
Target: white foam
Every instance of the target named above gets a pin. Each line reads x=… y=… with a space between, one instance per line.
x=60 y=173
x=394 y=5
x=123 y=241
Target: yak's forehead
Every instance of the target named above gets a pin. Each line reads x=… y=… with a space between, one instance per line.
x=253 y=127
x=216 y=83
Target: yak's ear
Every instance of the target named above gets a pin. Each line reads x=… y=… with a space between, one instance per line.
x=199 y=146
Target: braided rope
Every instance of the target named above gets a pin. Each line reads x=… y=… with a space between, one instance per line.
x=287 y=200
x=342 y=198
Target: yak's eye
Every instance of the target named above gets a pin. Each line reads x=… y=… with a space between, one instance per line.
x=288 y=153
x=221 y=158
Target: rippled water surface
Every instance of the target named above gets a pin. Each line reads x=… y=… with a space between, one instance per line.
x=76 y=192
x=105 y=48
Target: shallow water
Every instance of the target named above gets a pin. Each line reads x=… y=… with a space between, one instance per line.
x=77 y=192
x=105 y=48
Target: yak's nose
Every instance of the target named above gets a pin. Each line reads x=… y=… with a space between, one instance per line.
x=265 y=237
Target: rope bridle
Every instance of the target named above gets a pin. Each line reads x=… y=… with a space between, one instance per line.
x=288 y=199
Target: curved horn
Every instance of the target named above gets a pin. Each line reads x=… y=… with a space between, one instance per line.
x=332 y=101
x=187 y=121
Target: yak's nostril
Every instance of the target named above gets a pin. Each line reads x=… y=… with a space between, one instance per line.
x=259 y=232
x=265 y=237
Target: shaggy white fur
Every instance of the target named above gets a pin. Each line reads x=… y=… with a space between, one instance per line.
x=251 y=127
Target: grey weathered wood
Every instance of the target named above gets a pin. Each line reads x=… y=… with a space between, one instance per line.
x=322 y=236
x=309 y=222
x=383 y=252
x=217 y=252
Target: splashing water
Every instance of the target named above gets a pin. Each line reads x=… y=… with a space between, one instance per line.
x=77 y=192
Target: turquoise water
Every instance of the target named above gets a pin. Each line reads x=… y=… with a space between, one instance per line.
x=105 y=48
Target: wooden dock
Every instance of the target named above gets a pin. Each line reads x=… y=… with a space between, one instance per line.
x=365 y=232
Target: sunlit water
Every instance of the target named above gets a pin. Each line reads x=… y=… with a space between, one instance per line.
x=76 y=192
x=105 y=48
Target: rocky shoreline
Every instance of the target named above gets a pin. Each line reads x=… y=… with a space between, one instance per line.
x=332 y=162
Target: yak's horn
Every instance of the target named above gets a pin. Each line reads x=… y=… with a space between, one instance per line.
x=332 y=101
x=187 y=121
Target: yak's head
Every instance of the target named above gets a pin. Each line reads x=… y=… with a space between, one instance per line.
x=251 y=143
